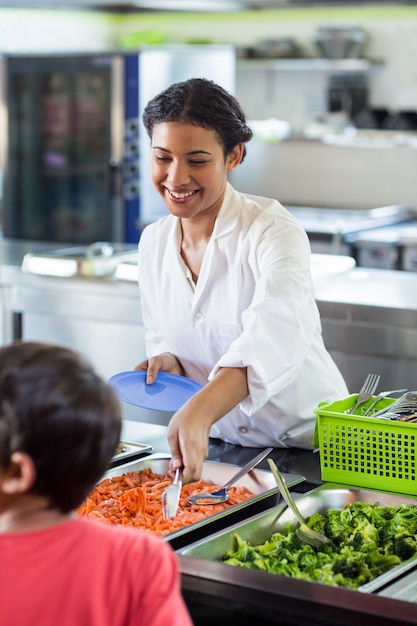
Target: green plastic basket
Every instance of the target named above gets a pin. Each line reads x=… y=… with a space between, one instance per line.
x=366 y=451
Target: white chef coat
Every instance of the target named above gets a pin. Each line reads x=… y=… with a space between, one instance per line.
x=253 y=306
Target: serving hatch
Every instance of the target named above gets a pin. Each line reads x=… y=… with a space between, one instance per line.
x=260 y=527
x=260 y=482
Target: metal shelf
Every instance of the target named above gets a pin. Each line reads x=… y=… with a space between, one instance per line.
x=309 y=64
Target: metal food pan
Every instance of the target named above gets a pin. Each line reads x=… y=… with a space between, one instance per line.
x=260 y=482
x=130 y=450
x=259 y=528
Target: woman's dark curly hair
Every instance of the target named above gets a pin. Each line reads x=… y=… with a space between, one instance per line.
x=61 y=413
x=203 y=103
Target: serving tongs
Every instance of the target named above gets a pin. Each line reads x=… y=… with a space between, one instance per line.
x=171 y=496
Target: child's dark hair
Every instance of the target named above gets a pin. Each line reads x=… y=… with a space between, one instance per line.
x=61 y=413
x=203 y=103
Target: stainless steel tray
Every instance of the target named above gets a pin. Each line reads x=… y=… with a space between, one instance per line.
x=127 y=270
x=403 y=589
x=97 y=259
x=261 y=483
x=259 y=528
x=129 y=451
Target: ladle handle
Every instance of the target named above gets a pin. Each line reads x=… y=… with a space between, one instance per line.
x=246 y=468
x=285 y=491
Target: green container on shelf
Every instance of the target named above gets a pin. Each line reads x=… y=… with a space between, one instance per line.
x=366 y=451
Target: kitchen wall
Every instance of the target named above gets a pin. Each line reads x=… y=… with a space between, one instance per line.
x=26 y=30
x=264 y=93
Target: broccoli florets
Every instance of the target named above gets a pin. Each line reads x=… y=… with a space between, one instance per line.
x=366 y=540
x=337 y=527
x=405 y=547
x=242 y=550
x=380 y=563
x=355 y=570
x=317 y=521
x=290 y=541
x=402 y=521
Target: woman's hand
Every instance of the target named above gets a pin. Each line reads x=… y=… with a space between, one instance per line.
x=165 y=362
x=189 y=428
x=188 y=437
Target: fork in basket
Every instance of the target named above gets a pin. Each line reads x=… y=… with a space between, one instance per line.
x=367 y=391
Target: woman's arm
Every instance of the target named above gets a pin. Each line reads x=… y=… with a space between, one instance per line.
x=189 y=427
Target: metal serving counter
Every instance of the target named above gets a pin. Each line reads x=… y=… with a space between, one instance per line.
x=369 y=320
x=222 y=595
x=216 y=595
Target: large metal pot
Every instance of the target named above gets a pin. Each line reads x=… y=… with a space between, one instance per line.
x=340 y=42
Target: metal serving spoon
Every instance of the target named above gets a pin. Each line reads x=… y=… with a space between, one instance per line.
x=221 y=495
x=306 y=534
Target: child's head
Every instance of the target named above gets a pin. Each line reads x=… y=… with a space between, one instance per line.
x=55 y=409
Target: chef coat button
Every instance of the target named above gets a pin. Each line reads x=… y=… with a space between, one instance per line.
x=243 y=430
x=199 y=318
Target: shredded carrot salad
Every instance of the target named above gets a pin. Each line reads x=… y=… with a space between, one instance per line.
x=135 y=499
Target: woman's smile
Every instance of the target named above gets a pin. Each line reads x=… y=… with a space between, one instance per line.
x=180 y=197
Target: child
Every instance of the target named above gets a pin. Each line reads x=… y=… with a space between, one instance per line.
x=59 y=428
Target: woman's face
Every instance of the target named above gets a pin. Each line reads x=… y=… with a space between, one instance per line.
x=189 y=169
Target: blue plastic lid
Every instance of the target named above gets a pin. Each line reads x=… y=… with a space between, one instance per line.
x=168 y=393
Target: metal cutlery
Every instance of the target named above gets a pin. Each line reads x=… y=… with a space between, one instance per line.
x=404 y=406
x=306 y=534
x=221 y=495
x=171 y=496
x=381 y=396
x=367 y=391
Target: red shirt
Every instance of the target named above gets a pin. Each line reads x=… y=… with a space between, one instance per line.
x=86 y=573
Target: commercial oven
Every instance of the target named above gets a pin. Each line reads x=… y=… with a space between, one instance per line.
x=72 y=146
x=62 y=147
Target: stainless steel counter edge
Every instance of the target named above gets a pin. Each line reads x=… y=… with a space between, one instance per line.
x=278 y=598
x=234 y=589
x=368 y=287
x=368 y=316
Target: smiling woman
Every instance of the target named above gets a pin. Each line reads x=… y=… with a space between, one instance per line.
x=226 y=289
